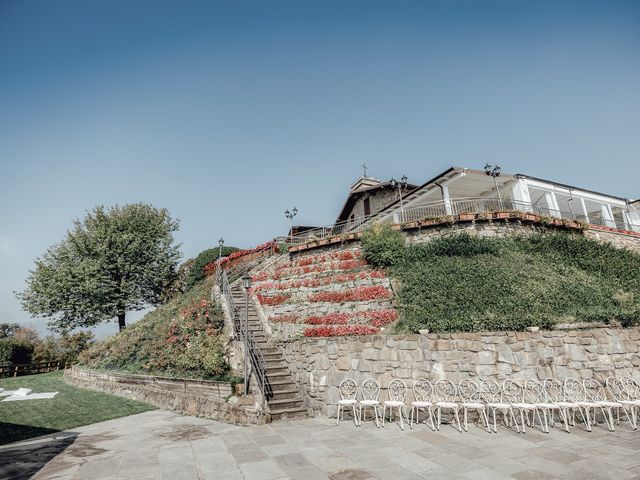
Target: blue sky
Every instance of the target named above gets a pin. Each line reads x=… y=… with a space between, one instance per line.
x=227 y=113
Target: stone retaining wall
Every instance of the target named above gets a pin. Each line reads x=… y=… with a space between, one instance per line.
x=320 y=364
x=202 y=398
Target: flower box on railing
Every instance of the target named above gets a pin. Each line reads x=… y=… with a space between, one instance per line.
x=530 y=217
x=502 y=215
x=467 y=216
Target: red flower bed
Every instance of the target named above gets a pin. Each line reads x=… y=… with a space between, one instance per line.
x=319 y=281
x=289 y=271
x=376 y=318
x=272 y=300
x=340 y=330
x=211 y=267
x=354 y=295
x=330 y=319
x=327 y=257
x=380 y=318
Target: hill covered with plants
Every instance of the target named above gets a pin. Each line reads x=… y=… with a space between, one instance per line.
x=467 y=283
x=182 y=338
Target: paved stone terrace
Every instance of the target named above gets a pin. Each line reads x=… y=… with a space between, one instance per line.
x=165 y=445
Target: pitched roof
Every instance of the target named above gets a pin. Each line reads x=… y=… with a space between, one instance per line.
x=354 y=195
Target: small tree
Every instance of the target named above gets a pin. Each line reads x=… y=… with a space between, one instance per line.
x=113 y=261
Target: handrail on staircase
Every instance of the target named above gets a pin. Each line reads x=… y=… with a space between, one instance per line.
x=254 y=353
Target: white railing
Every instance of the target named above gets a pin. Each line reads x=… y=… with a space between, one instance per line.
x=443 y=209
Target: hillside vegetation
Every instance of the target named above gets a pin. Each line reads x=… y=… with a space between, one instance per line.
x=182 y=338
x=466 y=283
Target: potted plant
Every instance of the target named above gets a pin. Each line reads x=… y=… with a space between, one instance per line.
x=530 y=217
x=467 y=216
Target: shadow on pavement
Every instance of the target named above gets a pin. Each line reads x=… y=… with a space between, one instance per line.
x=25 y=460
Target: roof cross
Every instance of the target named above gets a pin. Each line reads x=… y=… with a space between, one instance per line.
x=364 y=166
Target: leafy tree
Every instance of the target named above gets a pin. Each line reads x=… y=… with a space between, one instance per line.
x=8 y=329
x=113 y=261
x=196 y=270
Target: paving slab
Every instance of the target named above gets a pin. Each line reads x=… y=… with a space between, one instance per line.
x=161 y=444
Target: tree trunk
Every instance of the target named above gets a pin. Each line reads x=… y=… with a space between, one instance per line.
x=121 y=323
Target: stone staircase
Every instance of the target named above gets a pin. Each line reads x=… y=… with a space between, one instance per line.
x=286 y=401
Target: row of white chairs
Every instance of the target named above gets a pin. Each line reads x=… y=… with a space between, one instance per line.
x=529 y=401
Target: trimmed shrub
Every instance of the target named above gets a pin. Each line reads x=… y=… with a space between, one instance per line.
x=465 y=283
x=196 y=270
x=382 y=246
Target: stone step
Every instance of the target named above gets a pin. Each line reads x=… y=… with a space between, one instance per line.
x=288 y=394
x=275 y=376
x=284 y=403
x=284 y=413
x=275 y=363
x=282 y=385
x=277 y=369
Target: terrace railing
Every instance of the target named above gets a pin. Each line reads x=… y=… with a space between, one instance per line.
x=443 y=209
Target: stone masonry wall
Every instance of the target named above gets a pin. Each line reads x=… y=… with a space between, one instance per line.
x=320 y=364
x=200 y=398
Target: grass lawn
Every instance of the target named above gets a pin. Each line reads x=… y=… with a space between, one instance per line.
x=72 y=407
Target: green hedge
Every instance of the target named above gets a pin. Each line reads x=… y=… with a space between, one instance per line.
x=15 y=351
x=196 y=271
x=467 y=283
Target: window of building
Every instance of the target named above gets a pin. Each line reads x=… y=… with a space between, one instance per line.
x=367 y=207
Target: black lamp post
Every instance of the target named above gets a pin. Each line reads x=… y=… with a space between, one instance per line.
x=400 y=186
x=246 y=283
x=494 y=171
x=220 y=244
x=290 y=215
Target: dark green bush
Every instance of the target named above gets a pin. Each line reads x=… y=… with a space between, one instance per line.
x=196 y=271
x=464 y=283
x=382 y=246
x=15 y=351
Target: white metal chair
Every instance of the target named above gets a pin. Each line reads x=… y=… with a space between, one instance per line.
x=348 y=389
x=514 y=393
x=370 y=397
x=445 y=399
x=470 y=396
x=623 y=395
x=575 y=393
x=534 y=393
x=596 y=393
x=554 y=393
x=397 y=392
x=423 y=399
x=492 y=395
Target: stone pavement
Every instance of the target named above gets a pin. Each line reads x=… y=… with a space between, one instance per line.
x=165 y=445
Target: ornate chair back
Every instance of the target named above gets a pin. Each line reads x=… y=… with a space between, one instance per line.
x=490 y=391
x=534 y=392
x=594 y=390
x=469 y=391
x=446 y=391
x=553 y=390
x=348 y=389
x=574 y=390
x=370 y=389
x=397 y=390
x=512 y=391
x=617 y=388
x=423 y=390
x=632 y=387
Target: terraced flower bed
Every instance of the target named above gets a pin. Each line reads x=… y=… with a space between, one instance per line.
x=334 y=293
